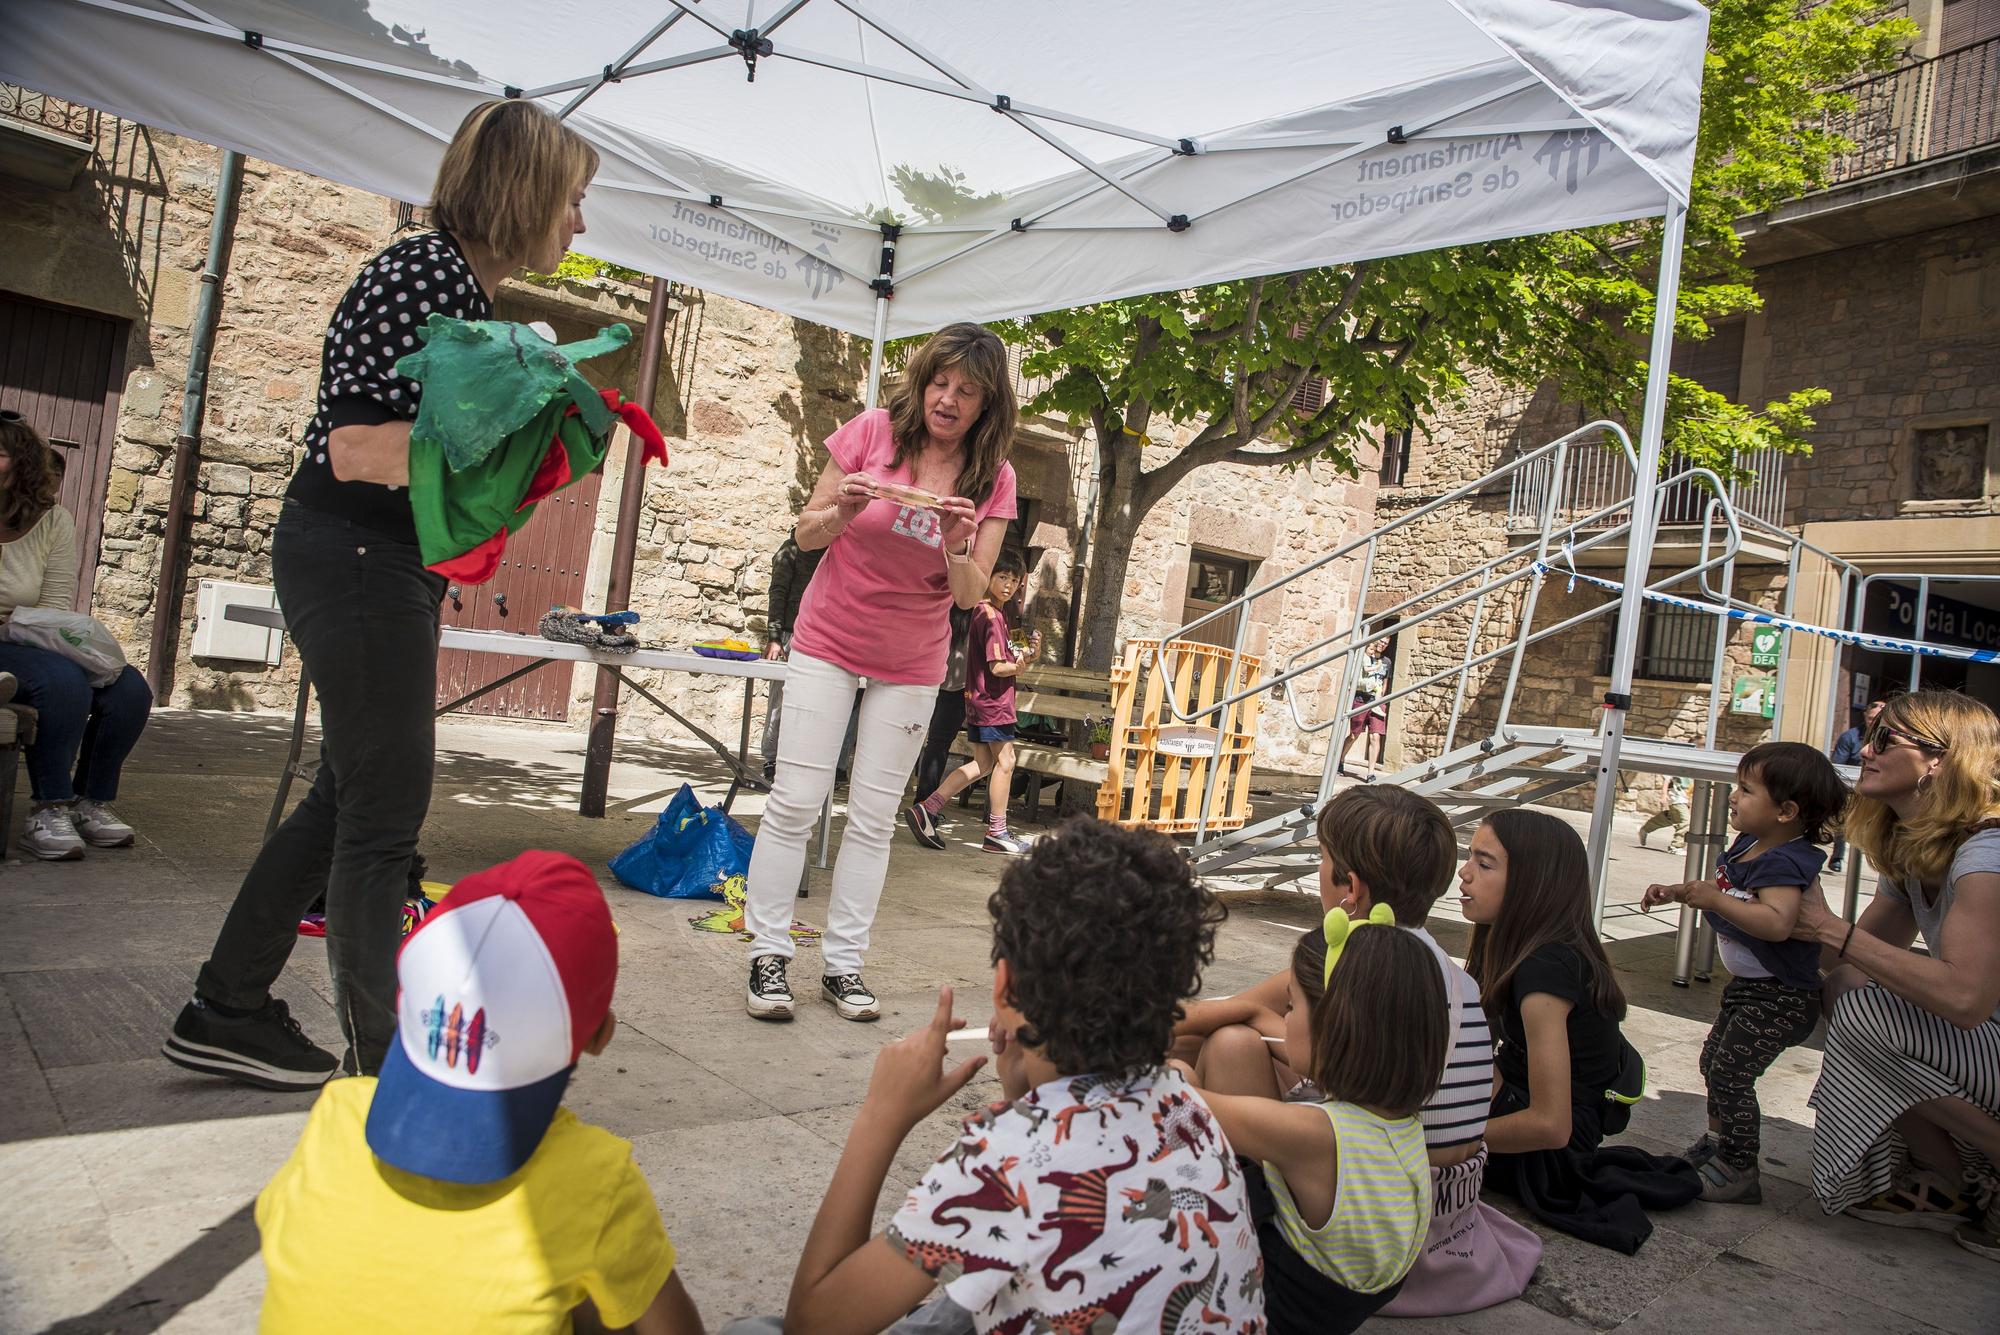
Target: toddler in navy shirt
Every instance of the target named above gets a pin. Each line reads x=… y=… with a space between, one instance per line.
x=1788 y=798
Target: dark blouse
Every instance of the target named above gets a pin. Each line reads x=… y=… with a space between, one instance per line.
x=376 y=323
x=1594 y=1041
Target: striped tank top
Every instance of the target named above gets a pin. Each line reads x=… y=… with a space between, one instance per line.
x=1381 y=1202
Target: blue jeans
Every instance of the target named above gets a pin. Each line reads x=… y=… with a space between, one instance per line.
x=85 y=731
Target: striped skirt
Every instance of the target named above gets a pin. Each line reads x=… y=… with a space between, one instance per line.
x=1884 y=1056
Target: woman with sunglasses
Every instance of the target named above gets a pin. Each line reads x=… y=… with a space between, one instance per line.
x=85 y=731
x=1908 y=1100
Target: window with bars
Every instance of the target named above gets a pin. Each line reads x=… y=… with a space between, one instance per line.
x=1675 y=644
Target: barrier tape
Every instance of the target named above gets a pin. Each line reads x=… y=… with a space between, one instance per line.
x=1879 y=643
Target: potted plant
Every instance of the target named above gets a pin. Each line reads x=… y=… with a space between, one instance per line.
x=1100 y=738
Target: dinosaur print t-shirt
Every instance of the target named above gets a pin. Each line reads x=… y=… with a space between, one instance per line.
x=1088 y=1205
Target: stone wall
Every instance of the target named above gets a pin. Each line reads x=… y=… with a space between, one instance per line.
x=1280 y=520
x=1906 y=334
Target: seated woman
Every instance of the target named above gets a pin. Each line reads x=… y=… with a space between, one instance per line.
x=1908 y=1100
x=1562 y=1068
x=85 y=732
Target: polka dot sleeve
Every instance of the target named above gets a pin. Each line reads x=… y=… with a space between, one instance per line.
x=377 y=322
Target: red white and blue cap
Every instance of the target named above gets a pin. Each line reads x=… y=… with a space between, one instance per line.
x=500 y=989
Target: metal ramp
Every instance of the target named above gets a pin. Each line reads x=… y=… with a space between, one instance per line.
x=1515 y=762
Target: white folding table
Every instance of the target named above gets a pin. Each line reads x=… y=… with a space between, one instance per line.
x=508 y=644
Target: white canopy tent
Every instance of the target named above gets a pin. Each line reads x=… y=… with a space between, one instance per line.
x=777 y=150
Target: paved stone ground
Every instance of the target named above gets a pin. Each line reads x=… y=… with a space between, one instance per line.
x=127 y=1184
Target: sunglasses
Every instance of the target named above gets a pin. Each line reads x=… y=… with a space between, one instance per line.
x=1882 y=738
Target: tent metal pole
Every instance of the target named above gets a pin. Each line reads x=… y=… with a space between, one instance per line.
x=1638 y=553
x=172 y=584
x=624 y=553
x=885 y=288
x=875 y=353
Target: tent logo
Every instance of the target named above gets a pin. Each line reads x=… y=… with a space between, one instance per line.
x=820 y=276
x=1570 y=155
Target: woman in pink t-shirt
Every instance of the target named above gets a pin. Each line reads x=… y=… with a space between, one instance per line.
x=912 y=510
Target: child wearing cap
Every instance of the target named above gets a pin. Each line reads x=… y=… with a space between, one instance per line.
x=455 y=1192
x=1098 y=1192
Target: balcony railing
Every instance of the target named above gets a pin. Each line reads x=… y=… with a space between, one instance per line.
x=1925 y=110
x=72 y=120
x=1599 y=478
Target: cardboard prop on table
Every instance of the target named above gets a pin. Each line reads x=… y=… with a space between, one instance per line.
x=505 y=421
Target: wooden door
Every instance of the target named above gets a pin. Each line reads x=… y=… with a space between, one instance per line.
x=544 y=566
x=63 y=370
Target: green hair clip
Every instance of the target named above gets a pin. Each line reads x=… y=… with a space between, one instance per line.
x=1338 y=925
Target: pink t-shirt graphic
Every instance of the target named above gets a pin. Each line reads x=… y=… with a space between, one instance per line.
x=879 y=605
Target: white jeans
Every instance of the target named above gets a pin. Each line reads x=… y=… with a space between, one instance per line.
x=819 y=697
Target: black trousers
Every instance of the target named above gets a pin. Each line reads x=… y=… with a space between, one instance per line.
x=363 y=611
x=947 y=720
x=1760 y=1018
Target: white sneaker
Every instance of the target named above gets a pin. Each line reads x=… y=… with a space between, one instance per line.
x=100 y=826
x=51 y=835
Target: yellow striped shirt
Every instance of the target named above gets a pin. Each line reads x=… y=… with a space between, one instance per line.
x=1381 y=1203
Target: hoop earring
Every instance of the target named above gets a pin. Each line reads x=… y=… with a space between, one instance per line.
x=1924 y=785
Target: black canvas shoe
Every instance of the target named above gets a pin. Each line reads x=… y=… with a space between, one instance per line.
x=266 y=1048
x=923 y=825
x=850 y=996
x=770 y=996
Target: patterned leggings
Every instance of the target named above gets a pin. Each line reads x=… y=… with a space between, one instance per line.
x=1760 y=1018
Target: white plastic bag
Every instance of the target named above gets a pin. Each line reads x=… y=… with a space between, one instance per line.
x=81 y=638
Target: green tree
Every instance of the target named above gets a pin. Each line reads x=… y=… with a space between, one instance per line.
x=1395 y=337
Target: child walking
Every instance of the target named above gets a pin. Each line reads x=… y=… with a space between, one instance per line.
x=1097 y=1191
x=991 y=666
x=455 y=1192
x=1340 y=1189
x=1787 y=798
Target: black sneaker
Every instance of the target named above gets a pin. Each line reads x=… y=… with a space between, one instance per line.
x=850 y=996
x=923 y=825
x=770 y=996
x=266 y=1049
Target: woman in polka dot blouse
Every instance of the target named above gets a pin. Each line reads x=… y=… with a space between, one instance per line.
x=363 y=611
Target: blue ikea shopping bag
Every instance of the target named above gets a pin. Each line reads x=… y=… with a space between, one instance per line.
x=690 y=851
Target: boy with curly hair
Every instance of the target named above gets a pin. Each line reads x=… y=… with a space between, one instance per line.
x=1099 y=1191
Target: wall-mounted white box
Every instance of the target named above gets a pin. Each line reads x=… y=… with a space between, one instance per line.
x=215 y=636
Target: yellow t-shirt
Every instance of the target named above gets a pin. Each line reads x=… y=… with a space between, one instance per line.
x=352 y=1244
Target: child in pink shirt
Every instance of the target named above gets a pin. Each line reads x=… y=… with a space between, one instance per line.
x=991 y=667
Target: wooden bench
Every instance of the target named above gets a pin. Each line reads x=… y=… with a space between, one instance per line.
x=1070 y=695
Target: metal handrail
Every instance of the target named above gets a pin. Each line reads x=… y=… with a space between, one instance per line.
x=1926 y=109
x=1241 y=603
x=1475 y=586
x=1494 y=586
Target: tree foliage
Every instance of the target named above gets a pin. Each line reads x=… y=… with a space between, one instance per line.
x=1396 y=337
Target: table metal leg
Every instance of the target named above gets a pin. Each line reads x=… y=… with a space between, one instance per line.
x=298 y=743
x=1700 y=859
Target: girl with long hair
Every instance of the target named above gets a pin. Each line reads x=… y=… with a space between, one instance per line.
x=911 y=509
x=363 y=610
x=1908 y=1101
x=1564 y=1074
x=85 y=732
